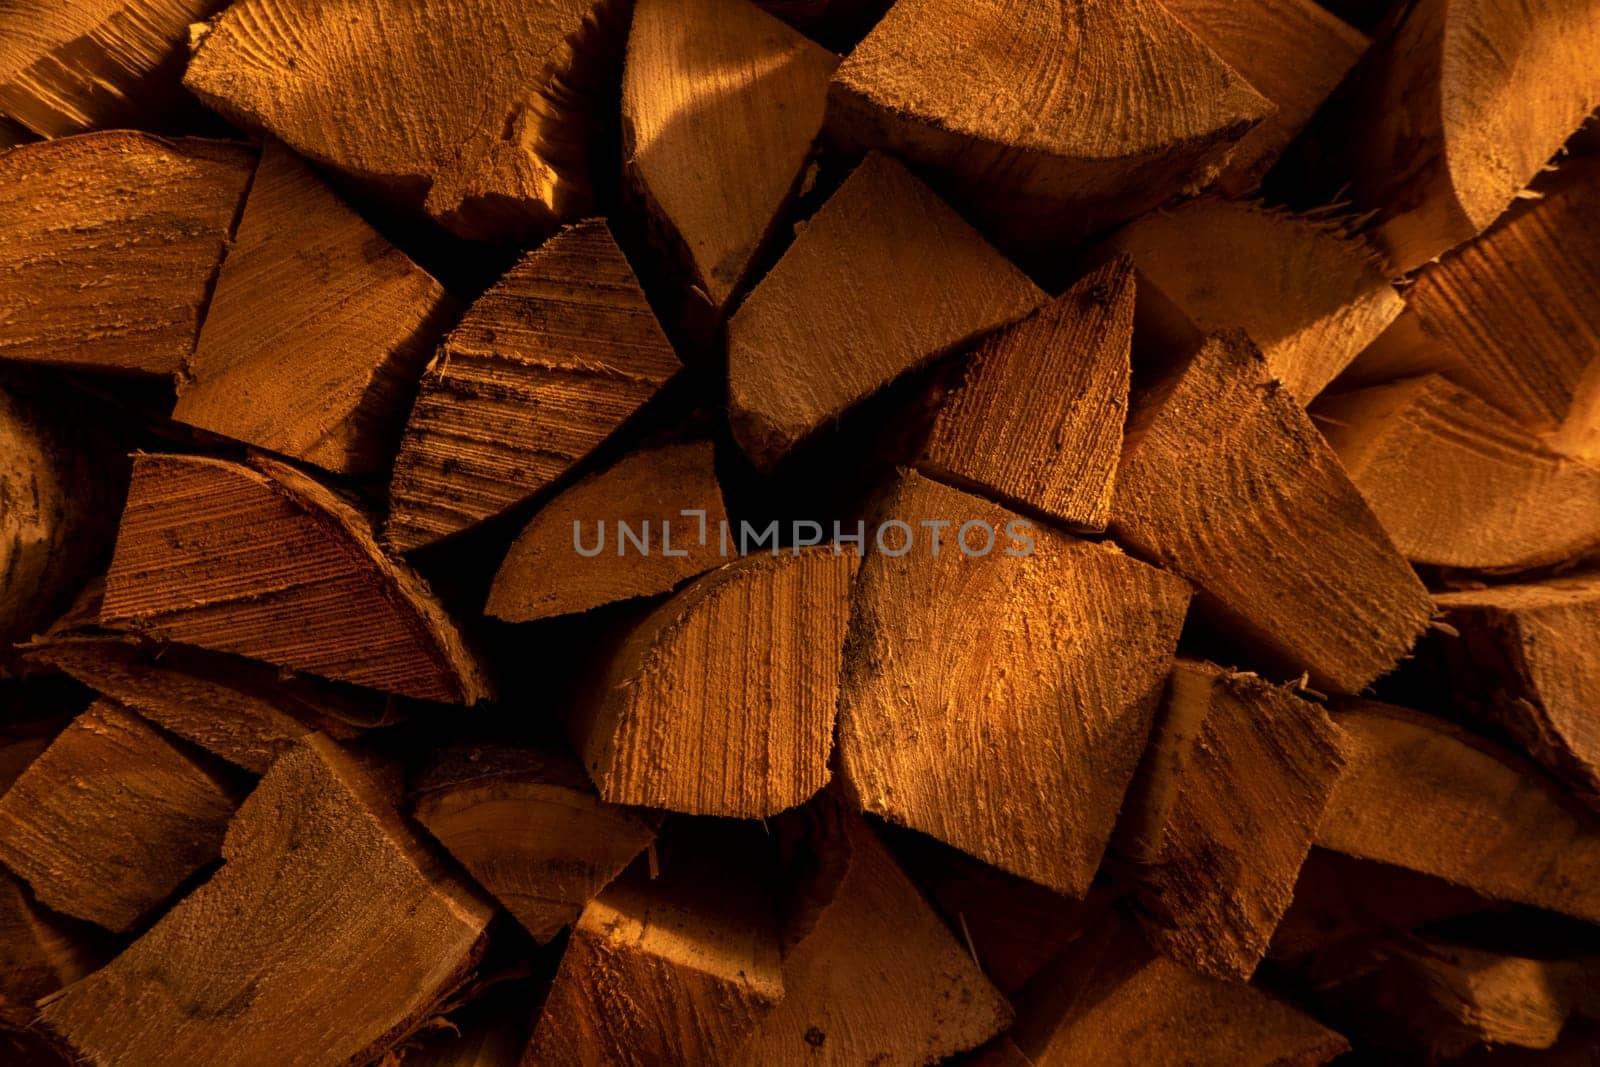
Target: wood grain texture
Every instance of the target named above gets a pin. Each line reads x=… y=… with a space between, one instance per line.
x=882 y=280
x=1222 y=814
x=1431 y=1001
x=1000 y=703
x=112 y=818
x=1457 y=484
x=113 y=241
x=40 y=952
x=1050 y=122
x=67 y=67
x=1111 y=1001
x=479 y=115
x=1522 y=658
x=544 y=574
x=244 y=712
x=1036 y=420
x=543 y=367
x=327 y=936
x=1225 y=481
x=1516 y=313
x=1310 y=295
x=1455 y=112
x=59 y=484
x=874 y=977
x=721 y=107
x=317 y=331
x=1423 y=794
x=1293 y=52
x=266 y=563
x=526 y=824
x=721 y=701
x=676 y=969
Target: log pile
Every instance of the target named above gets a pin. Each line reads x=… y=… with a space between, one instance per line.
x=786 y=532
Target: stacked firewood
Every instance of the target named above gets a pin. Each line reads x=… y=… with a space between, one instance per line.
x=770 y=532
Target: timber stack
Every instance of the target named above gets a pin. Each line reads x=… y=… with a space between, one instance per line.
x=874 y=533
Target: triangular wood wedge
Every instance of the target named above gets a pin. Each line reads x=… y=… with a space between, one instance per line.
x=317 y=331
x=674 y=969
x=1134 y=110
x=112 y=244
x=1111 y=1001
x=242 y=711
x=1457 y=109
x=1294 y=52
x=1222 y=814
x=872 y=976
x=721 y=106
x=1225 y=481
x=71 y=66
x=526 y=824
x=885 y=278
x=574 y=555
x=112 y=818
x=1308 y=294
x=330 y=931
x=1036 y=418
x=499 y=99
x=1423 y=794
x=999 y=700
x=1457 y=484
x=543 y=367
x=40 y=952
x=264 y=562
x=1526 y=659
x=721 y=701
x=1516 y=313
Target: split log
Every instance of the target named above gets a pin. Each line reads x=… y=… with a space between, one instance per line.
x=113 y=241
x=244 y=712
x=1222 y=815
x=1422 y=794
x=40 y=952
x=1523 y=659
x=1013 y=927
x=1456 y=110
x=1306 y=292
x=870 y=974
x=1000 y=702
x=1036 y=420
x=1225 y=481
x=1437 y=1001
x=884 y=279
x=1456 y=484
x=721 y=701
x=1110 y=1000
x=1137 y=110
x=721 y=108
x=317 y=332
x=1516 y=313
x=500 y=100
x=85 y=64
x=112 y=818
x=676 y=969
x=59 y=485
x=1293 y=52
x=660 y=489
x=266 y=563
x=526 y=824
x=543 y=367
x=329 y=933
x=1340 y=901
